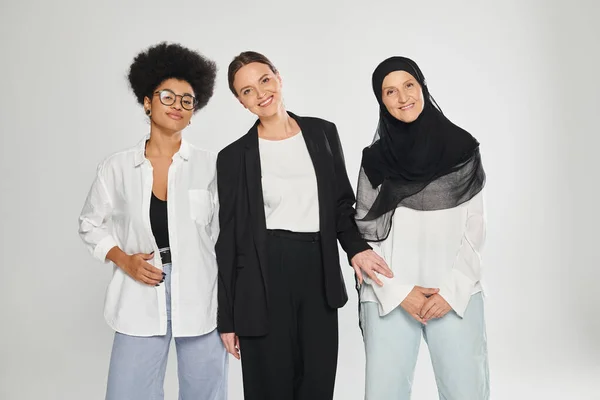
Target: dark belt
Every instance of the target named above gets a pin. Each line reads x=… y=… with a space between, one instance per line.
x=165 y=255
x=300 y=236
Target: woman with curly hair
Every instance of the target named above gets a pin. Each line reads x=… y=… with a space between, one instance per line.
x=151 y=211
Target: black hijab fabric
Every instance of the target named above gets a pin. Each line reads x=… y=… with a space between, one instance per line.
x=428 y=164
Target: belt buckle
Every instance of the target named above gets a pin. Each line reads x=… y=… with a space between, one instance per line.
x=165 y=255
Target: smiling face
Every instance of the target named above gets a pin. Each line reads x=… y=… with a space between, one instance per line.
x=258 y=88
x=402 y=96
x=172 y=117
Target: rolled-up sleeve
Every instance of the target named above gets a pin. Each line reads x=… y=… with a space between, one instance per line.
x=95 y=217
x=214 y=223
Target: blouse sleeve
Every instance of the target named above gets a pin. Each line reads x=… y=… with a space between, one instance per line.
x=466 y=271
x=393 y=292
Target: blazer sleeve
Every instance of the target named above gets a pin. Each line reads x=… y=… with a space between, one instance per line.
x=225 y=248
x=347 y=231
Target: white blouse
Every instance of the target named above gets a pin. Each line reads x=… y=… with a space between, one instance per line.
x=433 y=249
x=117 y=213
x=289 y=185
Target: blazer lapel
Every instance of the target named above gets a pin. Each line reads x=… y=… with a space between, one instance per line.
x=316 y=143
x=255 y=198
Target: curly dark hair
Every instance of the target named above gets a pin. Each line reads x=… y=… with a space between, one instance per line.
x=163 y=61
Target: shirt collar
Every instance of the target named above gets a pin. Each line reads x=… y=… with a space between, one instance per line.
x=140 y=150
x=184 y=150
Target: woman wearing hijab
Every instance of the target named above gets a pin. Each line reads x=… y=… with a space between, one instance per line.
x=420 y=204
x=285 y=202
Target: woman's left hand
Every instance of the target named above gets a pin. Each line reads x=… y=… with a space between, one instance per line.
x=435 y=307
x=371 y=263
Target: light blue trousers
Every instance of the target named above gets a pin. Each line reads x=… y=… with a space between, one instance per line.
x=138 y=364
x=457 y=346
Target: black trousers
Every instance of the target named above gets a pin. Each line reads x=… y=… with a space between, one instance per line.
x=297 y=359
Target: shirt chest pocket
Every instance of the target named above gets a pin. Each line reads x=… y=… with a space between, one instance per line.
x=201 y=205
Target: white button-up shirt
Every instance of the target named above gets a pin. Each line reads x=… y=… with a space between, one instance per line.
x=117 y=213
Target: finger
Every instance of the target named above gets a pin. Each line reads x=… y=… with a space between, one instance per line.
x=377 y=257
x=153 y=278
x=358 y=274
x=237 y=346
x=232 y=348
x=383 y=270
x=381 y=266
x=148 y=281
x=148 y=256
x=431 y=312
x=151 y=267
x=374 y=277
x=157 y=275
x=427 y=307
x=419 y=319
x=233 y=351
x=444 y=311
x=152 y=271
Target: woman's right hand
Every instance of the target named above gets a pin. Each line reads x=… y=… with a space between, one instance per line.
x=413 y=303
x=232 y=344
x=137 y=267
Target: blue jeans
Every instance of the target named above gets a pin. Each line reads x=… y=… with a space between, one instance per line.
x=138 y=364
x=457 y=346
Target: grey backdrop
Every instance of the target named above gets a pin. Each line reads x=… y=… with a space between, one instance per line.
x=520 y=75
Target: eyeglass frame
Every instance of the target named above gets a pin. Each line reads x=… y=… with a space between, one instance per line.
x=195 y=102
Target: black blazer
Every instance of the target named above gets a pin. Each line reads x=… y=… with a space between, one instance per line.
x=241 y=246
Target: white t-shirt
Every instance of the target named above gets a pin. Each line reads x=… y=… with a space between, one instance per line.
x=289 y=185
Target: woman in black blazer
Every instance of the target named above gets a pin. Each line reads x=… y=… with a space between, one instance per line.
x=284 y=199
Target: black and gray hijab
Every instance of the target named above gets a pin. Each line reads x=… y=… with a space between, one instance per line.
x=428 y=164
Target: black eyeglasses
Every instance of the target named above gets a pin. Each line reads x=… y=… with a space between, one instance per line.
x=168 y=98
